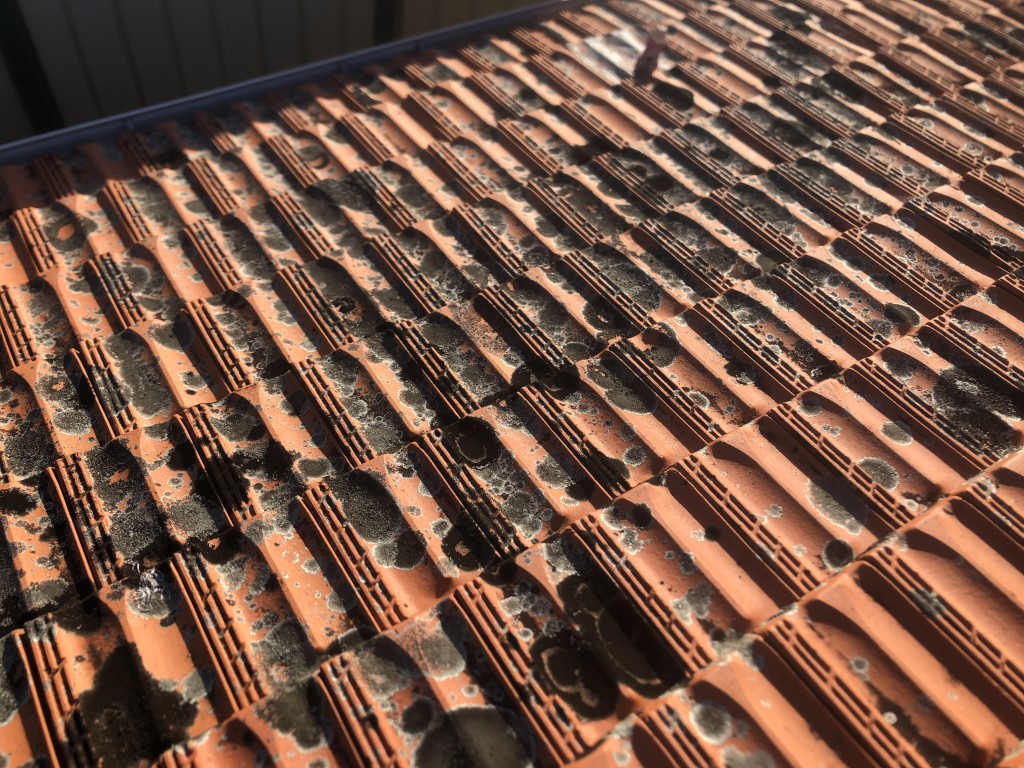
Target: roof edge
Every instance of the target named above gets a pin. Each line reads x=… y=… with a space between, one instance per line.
x=22 y=150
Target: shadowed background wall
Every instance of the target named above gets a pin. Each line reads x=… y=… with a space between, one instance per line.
x=70 y=61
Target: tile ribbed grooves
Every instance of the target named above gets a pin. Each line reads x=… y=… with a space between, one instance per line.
x=488 y=406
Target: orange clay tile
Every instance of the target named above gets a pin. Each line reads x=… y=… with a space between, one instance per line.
x=489 y=406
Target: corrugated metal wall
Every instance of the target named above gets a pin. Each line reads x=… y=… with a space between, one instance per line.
x=14 y=122
x=418 y=16
x=102 y=57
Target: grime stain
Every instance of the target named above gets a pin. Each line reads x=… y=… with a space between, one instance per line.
x=132 y=718
x=475 y=736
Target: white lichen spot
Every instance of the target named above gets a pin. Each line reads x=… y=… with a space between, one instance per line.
x=711 y=721
x=733 y=643
x=987 y=486
x=197 y=685
x=929 y=602
x=696 y=602
x=861 y=667
x=735 y=758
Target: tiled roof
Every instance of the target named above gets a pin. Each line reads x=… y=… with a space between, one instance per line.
x=489 y=407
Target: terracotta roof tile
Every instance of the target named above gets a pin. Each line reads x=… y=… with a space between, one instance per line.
x=487 y=406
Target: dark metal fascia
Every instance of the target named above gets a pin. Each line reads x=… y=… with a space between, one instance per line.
x=61 y=140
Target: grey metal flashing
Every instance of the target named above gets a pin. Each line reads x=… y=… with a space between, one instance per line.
x=61 y=140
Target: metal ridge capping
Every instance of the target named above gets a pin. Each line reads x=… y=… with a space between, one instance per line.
x=485 y=406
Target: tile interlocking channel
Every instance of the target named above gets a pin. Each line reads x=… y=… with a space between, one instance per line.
x=489 y=406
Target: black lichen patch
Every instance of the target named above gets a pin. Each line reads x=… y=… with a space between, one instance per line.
x=286 y=654
x=790 y=16
x=241 y=421
x=462 y=357
x=837 y=501
x=664 y=347
x=977 y=408
x=12 y=683
x=154 y=203
x=323 y=199
x=140 y=375
x=403 y=552
x=744 y=309
x=60 y=394
x=439 y=650
x=555 y=471
x=881 y=471
x=898 y=432
x=604 y=318
x=16 y=501
x=836 y=554
x=83 y=618
x=49 y=595
x=555 y=320
x=149 y=283
x=417 y=716
x=809 y=404
x=621 y=387
x=627 y=646
x=476 y=736
x=562 y=383
x=373 y=512
x=137 y=527
x=624 y=515
x=314 y=468
x=28 y=448
x=368 y=506
x=345 y=297
x=130 y=718
x=247 y=335
x=295 y=712
x=466 y=548
x=632 y=280
x=245 y=249
x=680 y=98
x=711 y=721
x=525 y=510
x=473 y=441
x=12 y=604
x=901 y=314
x=435 y=266
x=364 y=401
x=269 y=468
x=65 y=230
x=900 y=365
x=199 y=516
x=386 y=666
x=742 y=373
x=224 y=549
x=571 y=671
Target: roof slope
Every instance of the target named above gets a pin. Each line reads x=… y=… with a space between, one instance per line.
x=490 y=407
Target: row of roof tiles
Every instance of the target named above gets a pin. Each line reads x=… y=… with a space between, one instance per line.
x=306 y=372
